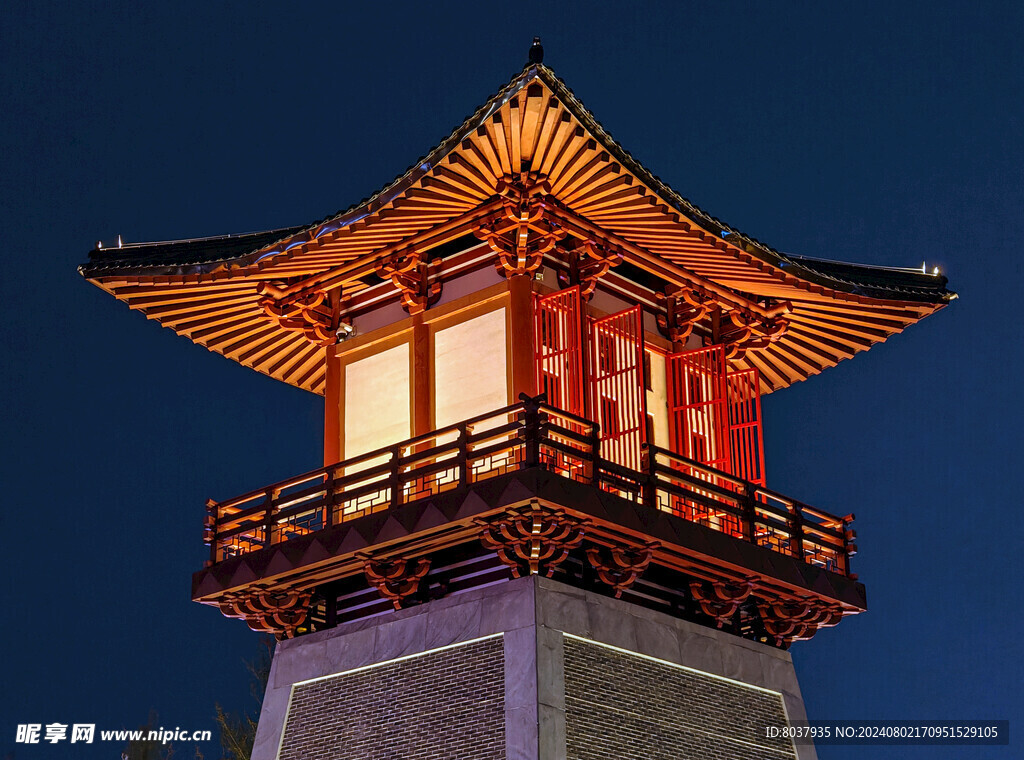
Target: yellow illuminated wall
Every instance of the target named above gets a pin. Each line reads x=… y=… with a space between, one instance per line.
x=377 y=400
x=470 y=368
x=657 y=399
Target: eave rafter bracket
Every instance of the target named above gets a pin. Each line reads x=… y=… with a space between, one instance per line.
x=740 y=330
x=521 y=233
x=409 y=273
x=309 y=313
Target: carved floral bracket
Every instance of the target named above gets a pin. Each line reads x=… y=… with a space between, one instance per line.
x=279 y=612
x=787 y=622
x=410 y=274
x=396 y=578
x=721 y=599
x=308 y=313
x=747 y=332
x=620 y=566
x=741 y=331
x=521 y=233
x=532 y=540
x=685 y=309
x=589 y=262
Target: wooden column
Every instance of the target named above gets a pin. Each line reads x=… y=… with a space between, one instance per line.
x=520 y=327
x=334 y=406
x=422 y=378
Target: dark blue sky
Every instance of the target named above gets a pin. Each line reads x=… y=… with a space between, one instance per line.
x=868 y=133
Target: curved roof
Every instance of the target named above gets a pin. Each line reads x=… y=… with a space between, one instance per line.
x=205 y=289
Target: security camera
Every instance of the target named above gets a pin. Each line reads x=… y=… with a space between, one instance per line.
x=345 y=331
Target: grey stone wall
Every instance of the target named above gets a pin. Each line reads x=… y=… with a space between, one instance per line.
x=619 y=705
x=536 y=666
x=437 y=706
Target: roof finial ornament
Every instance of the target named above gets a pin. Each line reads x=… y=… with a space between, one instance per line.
x=536 y=51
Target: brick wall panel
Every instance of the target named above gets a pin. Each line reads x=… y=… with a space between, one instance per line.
x=624 y=707
x=441 y=705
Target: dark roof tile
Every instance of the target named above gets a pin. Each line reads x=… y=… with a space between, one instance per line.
x=181 y=256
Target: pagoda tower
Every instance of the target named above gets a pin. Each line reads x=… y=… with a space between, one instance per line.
x=542 y=528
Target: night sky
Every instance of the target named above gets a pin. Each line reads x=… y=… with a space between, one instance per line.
x=865 y=133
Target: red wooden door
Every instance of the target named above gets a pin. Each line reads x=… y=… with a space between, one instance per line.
x=617 y=394
x=559 y=349
x=746 y=440
x=698 y=416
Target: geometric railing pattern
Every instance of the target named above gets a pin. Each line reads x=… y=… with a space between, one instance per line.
x=529 y=434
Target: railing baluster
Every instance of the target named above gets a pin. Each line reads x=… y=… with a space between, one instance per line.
x=531 y=426
x=210 y=528
x=268 y=519
x=592 y=468
x=849 y=548
x=462 y=459
x=395 y=477
x=649 y=487
x=750 y=511
x=328 y=520
x=797 y=531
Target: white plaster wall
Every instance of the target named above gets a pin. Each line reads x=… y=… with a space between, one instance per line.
x=380 y=317
x=468 y=284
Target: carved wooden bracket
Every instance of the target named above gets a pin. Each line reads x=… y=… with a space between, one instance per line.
x=308 y=313
x=588 y=263
x=396 y=578
x=685 y=309
x=720 y=599
x=532 y=540
x=620 y=566
x=521 y=234
x=747 y=332
x=278 y=612
x=787 y=622
x=410 y=274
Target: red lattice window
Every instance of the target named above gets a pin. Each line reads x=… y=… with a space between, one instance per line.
x=617 y=385
x=697 y=411
x=559 y=352
x=746 y=440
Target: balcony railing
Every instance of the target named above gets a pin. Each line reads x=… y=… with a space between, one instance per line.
x=524 y=435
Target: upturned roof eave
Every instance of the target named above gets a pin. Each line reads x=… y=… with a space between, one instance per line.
x=387 y=194
x=696 y=215
x=290 y=237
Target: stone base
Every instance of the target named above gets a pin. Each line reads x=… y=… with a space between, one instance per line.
x=529 y=669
